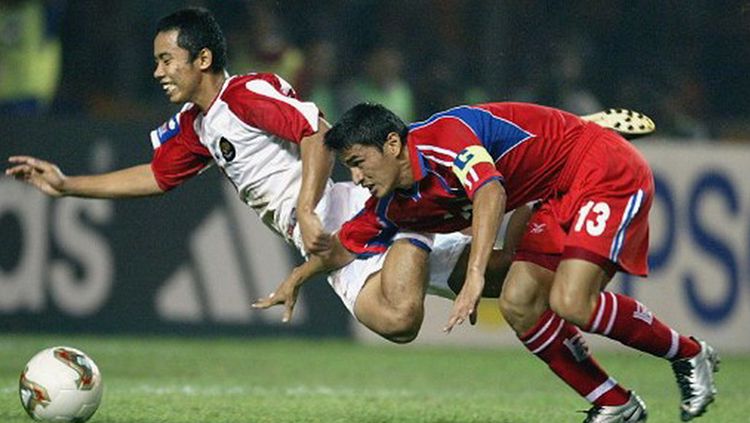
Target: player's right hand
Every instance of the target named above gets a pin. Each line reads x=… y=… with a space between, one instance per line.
x=43 y=175
x=285 y=294
x=314 y=236
x=467 y=302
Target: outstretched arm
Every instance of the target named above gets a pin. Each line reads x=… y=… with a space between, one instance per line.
x=500 y=260
x=317 y=163
x=136 y=181
x=287 y=292
x=489 y=207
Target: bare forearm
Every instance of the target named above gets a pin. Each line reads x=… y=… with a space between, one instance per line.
x=287 y=291
x=136 y=181
x=334 y=259
x=317 y=164
x=488 y=209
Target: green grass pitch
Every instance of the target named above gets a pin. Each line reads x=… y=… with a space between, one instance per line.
x=159 y=379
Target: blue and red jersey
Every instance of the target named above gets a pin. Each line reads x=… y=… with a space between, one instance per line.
x=530 y=149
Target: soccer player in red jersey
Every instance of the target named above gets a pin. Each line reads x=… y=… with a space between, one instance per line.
x=466 y=167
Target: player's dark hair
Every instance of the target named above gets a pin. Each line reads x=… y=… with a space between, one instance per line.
x=365 y=124
x=197 y=29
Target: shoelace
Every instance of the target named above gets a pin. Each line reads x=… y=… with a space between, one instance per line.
x=683 y=370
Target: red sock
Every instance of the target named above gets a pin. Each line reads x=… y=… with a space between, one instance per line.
x=560 y=345
x=626 y=320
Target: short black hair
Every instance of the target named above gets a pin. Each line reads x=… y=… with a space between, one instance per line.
x=197 y=29
x=365 y=124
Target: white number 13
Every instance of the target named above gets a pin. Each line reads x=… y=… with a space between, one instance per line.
x=595 y=226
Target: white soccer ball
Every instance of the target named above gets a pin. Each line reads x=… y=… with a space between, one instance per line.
x=61 y=384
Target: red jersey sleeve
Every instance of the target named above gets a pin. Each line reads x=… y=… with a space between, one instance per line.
x=450 y=141
x=474 y=167
x=178 y=153
x=366 y=234
x=267 y=102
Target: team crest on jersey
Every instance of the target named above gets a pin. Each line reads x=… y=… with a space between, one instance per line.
x=227 y=149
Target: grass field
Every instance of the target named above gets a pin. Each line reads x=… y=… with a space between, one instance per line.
x=238 y=380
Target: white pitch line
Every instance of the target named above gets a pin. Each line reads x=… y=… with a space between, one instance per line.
x=301 y=391
x=217 y=390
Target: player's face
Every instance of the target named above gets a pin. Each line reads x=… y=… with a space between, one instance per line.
x=376 y=170
x=178 y=75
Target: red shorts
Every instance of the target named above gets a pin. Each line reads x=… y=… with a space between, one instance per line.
x=600 y=214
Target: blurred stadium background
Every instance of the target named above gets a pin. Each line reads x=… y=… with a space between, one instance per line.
x=76 y=88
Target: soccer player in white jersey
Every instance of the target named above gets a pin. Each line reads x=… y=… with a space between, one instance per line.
x=269 y=145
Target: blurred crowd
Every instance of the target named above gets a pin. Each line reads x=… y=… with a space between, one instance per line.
x=685 y=64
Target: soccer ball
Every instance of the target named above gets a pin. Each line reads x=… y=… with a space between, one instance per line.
x=61 y=384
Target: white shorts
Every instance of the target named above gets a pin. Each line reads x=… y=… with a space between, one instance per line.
x=342 y=202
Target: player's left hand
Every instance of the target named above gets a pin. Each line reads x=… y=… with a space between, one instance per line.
x=285 y=294
x=466 y=303
x=43 y=175
x=315 y=238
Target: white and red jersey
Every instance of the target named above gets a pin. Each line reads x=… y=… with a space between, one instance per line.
x=252 y=132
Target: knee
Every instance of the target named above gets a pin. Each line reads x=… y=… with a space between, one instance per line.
x=402 y=337
x=403 y=323
x=511 y=308
x=520 y=306
x=572 y=308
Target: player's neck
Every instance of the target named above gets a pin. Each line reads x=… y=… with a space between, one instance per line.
x=406 y=175
x=210 y=88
